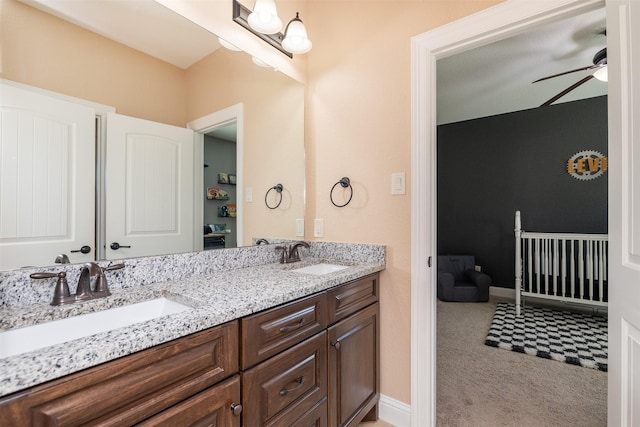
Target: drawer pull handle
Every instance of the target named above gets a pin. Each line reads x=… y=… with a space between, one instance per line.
x=336 y=345
x=236 y=409
x=296 y=384
x=296 y=325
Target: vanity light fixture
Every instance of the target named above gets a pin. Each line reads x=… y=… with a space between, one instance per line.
x=264 y=18
x=295 y=37
x=228 y=45
x=259 y=62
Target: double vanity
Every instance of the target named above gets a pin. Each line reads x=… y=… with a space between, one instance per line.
x=230 y=337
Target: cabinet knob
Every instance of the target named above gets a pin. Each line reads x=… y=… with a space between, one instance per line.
x=236 y=408
x=336 y=345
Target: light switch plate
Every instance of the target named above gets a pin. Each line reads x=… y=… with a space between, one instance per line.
x=248 y=195
x=300 y=227
x=398 y=183
x=318 y=227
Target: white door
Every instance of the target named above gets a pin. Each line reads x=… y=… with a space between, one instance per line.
x=47 y=179
x=149 y=188
x=623 y=51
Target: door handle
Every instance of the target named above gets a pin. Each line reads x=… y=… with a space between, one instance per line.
x=85 y=249
x=115 y=246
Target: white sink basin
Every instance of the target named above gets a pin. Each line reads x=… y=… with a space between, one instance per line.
x=320 y=269
x=22 y=340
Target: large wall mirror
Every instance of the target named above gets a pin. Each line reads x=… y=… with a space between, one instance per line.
x=43 y=49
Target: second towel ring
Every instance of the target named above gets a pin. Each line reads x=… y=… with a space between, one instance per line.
x=344 y=183
x=278 y=188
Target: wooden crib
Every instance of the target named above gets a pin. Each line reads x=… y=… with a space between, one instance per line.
x=566 y=267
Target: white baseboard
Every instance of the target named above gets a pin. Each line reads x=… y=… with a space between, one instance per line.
x=502 y=292
x=394 y=412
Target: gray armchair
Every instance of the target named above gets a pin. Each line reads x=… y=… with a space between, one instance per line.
x=458 y=280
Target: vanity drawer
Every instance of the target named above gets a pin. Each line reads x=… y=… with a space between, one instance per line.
x=267 y=333
x=346 y=299
x=132 y=388
x=288 y=386
x=213 y=407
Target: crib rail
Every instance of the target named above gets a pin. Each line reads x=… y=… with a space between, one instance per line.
x=566 y=267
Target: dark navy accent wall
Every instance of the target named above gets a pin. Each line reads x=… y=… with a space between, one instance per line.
x=488 y=168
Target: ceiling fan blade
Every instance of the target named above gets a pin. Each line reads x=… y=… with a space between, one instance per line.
x=567 y=90
x=566 y=72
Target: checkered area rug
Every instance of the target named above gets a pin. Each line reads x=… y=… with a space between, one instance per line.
x=578 y=339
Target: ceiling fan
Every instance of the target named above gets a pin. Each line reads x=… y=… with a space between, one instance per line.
x=599 y=65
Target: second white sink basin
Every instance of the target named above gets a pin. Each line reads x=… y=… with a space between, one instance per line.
x=320 y=269
x=22 y=340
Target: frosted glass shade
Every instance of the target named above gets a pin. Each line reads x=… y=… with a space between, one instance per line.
x=228 y=45
x=601 y=74
x=295 y=37
x=264 y=18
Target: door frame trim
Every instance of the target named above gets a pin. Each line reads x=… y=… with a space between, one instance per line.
x=498 y=22
x=201 y=126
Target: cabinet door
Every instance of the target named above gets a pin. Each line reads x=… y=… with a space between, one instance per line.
x=353 y=368
x=217 y=406
x=287 y=387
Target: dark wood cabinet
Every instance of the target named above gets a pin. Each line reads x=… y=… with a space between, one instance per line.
x=354 y=352
x=310 y=362
x=269 y=332
x=131 y=389
x=217 y=406
x=284 y=388
x=353 y=368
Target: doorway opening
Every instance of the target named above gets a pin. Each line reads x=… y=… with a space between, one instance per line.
x=219 y=183
x=485 y=27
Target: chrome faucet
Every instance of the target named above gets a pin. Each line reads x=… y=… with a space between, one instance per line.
x=84 y=292
x=290 y=253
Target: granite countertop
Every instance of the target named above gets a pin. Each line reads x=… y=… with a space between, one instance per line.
x=216 y=298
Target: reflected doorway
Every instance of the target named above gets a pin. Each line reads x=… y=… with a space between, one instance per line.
x=220 y=182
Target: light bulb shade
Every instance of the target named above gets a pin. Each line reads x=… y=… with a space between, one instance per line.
x=264 y=18
x=295 y=37
x=602 y=74
x=228 y=45
x=259 y=62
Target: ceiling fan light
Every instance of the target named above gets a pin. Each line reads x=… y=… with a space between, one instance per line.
x=264 y=18
x=295 y=37
x=601 y=74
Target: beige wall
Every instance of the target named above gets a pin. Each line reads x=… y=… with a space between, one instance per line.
x=357 y=120
x=46 y=52
x=359 y=125
x=273 y=134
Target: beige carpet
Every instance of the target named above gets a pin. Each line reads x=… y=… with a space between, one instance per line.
x=481 y=386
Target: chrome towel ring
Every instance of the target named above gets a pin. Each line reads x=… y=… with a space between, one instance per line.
x=344 y=183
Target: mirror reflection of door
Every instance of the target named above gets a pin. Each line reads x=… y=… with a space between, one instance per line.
x=149 y=205
x=220 y=177
x=46 y=179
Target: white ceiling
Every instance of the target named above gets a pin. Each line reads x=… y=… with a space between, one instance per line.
x=496 y=78
x=144 y=25
x=485 y=81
